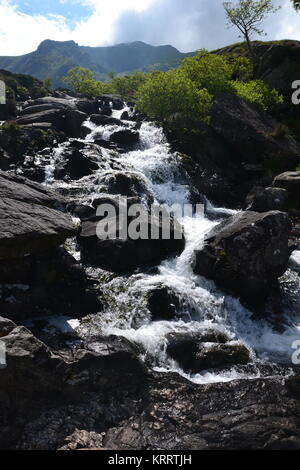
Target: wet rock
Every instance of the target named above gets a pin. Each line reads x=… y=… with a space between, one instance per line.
x=102 y=120
x=85 y=130
x=78 y=165
x=266 y=199
x=106 y=111
x=105 y=144
x=163 y=303
x=125 y=116
x=247 y=253
x=125 y=137
x=194 y=354
x=120 y=254
x=125 y=183
x=88 y=106
x=113 y=101
x=290 y=181
x=73 y=122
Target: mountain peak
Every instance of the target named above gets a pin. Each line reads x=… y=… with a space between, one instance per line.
x=49 y=44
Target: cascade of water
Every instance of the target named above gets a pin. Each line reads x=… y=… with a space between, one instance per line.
x=204 y=305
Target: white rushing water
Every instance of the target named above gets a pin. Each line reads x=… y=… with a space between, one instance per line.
x=204 y=305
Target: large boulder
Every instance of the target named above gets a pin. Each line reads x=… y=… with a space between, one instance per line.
x=120 y=254
x=125 y=183
x=113 y=101
x=52 y=282
x=19 y=142
x=78 y=160
x=290 y=181
x=125 y=137
x=65 y=120
x=20 y=189
x=163 y=303
x=206 y=350
x=28 y=228
x=247 y=253
x=103 y=120
x=266 y=199
x=253 y=134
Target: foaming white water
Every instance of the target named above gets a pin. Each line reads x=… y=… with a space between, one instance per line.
x=295 y=261
x=203 y=305
x=55 y=159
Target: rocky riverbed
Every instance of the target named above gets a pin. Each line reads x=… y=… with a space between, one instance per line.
x=185 y=343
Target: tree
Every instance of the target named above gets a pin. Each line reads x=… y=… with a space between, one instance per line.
x=171 y=93
x=82 y=81
x=210 y=71
x=248 y=16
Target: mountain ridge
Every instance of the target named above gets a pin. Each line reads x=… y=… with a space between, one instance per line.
x=53 y=59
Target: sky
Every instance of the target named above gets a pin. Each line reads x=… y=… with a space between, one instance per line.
x=185 y=24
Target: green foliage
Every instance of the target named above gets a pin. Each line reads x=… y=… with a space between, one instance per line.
x=296 y=4
x=258 y=93
x=168 y=93
x=209 y=71
x=82 y=81
x=128 y=85
x=298 y=168
x=241 y=68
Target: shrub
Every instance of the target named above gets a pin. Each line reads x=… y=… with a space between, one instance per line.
x=169 y=93
x=82 y=81
x=242 y=68
x=209 y=71
x=128 y=85
x=258 y=93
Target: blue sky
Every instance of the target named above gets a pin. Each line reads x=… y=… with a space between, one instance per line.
x=73 y=11
x=186 y=24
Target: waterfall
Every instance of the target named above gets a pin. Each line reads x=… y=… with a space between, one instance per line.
x=203 y=303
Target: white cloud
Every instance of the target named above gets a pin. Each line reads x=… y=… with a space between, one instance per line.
x=21 y=33
x=198 y=23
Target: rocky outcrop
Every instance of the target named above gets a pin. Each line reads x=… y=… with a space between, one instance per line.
x=39 y=277
x=48 y=379
x=247 y=253
x=239 y=415
x=290 y=181
x=28 y=228
x=65 y=120
x=266 y=199
x=19 y=142
x=252 y=134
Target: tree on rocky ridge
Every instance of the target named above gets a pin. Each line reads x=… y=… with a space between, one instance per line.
x=248 y=16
